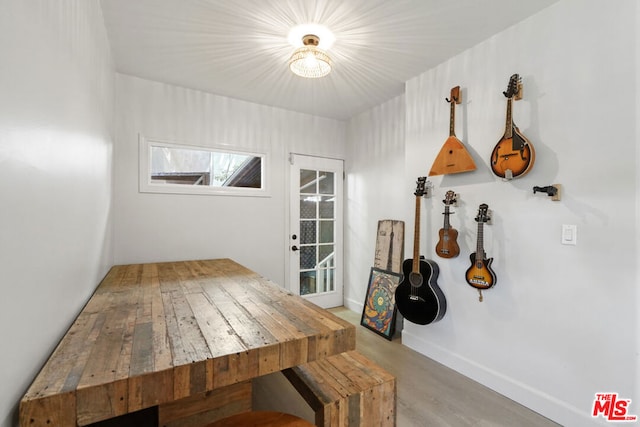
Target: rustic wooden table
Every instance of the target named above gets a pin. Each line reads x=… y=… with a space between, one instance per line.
x=153 y=334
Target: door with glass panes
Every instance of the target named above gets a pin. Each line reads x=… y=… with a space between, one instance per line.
x=315 y=239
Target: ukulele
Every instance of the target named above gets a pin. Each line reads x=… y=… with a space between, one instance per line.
x=447 y=246
x=453 y=157
x=418 y=297
x=513 y=155
x=480 y=275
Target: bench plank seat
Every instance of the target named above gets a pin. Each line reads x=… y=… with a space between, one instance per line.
x=346 y=389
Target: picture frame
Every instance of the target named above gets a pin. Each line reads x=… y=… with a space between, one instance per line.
x=379 y=311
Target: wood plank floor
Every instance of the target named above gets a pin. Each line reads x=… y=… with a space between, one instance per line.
x=430 y=394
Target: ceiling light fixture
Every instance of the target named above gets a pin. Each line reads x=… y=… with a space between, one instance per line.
x=309 y=61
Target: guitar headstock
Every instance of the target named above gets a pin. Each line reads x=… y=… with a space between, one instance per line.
x=515 y=83
x=421 y=185
x=483 y=213
x=449 y=198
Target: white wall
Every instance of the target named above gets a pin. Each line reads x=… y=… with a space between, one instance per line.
x=250 y=230
x=561 y=324
x=56 y=103
x=637 y=170
x=374 y=189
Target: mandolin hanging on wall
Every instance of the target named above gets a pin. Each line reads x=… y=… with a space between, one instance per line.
x=513 y=156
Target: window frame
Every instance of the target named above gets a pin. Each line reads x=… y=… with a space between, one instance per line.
x=146 y=185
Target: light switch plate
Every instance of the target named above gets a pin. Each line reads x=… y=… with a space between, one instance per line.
x=569 y=234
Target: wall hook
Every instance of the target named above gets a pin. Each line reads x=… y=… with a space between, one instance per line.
x=552 y=191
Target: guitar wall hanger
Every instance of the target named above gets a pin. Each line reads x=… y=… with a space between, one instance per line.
x=455 y=96
x=517 y=94
x=552 y=191
x=428 y=189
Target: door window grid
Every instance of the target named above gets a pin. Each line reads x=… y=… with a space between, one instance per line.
x=317 y=218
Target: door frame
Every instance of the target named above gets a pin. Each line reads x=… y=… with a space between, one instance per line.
x=330 y=299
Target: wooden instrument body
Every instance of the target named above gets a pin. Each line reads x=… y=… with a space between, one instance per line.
x=418 y=296
x=514 y=153
x=480 y=275
x=447 y=246
x=453 y=156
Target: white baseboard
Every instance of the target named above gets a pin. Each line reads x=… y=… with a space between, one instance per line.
x=534 y=399
x=549 y=406
x=353 y=305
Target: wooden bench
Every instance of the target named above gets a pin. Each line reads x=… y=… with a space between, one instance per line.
x=262 y=419
x=346 y=389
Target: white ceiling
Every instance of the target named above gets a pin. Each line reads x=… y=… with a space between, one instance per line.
x=239 y=48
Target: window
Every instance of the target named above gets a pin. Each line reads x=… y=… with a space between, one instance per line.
x=173 y=168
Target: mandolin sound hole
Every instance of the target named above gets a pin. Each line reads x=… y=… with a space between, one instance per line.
x=415 y=279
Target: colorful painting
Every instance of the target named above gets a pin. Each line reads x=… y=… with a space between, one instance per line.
x=379 y=313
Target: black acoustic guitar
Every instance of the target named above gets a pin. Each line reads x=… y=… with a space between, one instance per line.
x=447 y=246
x=480 y=275
x=513 y=155
x=418 y=297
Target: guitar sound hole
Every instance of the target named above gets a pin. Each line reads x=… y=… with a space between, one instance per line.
x=415 y=279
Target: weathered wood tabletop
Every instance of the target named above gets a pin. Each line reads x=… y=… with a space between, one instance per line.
x=156 y=333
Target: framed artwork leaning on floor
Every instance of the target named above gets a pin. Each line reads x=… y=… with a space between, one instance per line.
x=379 y=312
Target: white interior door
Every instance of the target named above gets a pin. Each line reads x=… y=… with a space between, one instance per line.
x=315 y=238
